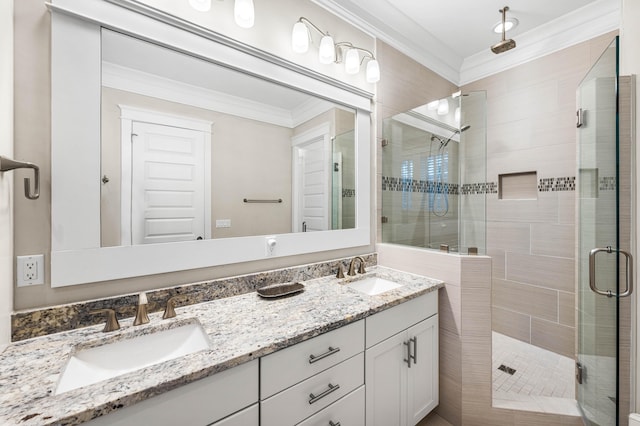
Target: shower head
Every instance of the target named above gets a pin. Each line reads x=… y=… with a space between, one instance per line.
x=444 y=143
x=504 y=44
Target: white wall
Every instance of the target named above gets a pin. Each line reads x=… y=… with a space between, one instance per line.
x=630 y=64
x=6 y=149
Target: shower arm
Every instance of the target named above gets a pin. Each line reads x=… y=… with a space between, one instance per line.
x=7 y=164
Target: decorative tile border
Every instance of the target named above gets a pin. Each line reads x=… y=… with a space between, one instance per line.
x=479 y=188
x=607 y=183
x=54 y=319
x=431 y=187
x=557 y=184
x=348 y=193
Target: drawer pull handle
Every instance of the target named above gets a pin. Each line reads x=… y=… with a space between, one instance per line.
x=331 y=351
x=331 y=423
x=315 y=398
x=408 y=358
x=415 y=349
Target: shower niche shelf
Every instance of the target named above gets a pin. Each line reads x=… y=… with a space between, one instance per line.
x=518 y=186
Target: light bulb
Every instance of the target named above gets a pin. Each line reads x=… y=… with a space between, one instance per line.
x=300 y=38
x=244 y=13
x=373 y=71
x=352 y=62
x=327 y=52
x=200 y=5
x=443 y=107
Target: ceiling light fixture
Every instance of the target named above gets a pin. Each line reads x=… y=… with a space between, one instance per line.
x=509 y=24
x=330 y=51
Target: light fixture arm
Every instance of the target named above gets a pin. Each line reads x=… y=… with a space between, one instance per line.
x=349 y=45
x=308 y=23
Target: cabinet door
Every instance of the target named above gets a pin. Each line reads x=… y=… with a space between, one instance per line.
x=386 y=382
x=423 y=374
x=247 y=417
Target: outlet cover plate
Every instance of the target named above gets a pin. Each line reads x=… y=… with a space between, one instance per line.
x=30 y=270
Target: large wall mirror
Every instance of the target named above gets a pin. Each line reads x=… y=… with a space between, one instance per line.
x=170 y=144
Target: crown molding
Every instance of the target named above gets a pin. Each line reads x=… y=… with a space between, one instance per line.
x=412 y=40
x=583 y=24
x=590 y=21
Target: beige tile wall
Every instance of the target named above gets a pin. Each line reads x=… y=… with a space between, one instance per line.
x=530 y=127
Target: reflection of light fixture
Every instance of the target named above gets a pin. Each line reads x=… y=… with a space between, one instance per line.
x=200 y=5
x=443 y=107
x=244 y=13
x=329 y=51
x=432 y=106
x=456 y=115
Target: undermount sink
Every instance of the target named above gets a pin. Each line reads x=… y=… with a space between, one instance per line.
x=373 y=285
x=92 y=365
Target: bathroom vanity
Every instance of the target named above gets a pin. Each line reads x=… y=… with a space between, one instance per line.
x=298 y=359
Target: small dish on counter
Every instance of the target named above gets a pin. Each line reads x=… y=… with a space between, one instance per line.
x=280 y=290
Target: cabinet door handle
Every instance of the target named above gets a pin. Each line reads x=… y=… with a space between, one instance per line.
x=315 y=398
x=330 y=351
x=415 y=349
x=408 y=358
x=331 y=423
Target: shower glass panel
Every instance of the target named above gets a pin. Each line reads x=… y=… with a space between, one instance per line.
x=601 y=256
x=434 y=175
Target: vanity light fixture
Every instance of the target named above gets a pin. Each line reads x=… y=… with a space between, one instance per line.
x=330 y=51
x=243 y=11
x=200 y=5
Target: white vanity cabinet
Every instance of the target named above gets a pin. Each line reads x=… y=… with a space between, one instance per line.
x=204 y=402
x=317 y=377
x=402 y=363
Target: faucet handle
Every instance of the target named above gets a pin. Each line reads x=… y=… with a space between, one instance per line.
x=340 y=273
x=170 y=311
x=112 y=320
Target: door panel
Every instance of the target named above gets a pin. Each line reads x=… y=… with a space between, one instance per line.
x=600 y=262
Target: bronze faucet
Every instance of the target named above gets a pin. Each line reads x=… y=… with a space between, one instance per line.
x=170 y=310
x=142 y=316
x=352 y=266
x=112 y=321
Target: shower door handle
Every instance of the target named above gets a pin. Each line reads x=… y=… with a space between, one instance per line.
x=629 y=272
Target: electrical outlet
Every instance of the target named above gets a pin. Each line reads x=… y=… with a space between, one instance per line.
x=30 y=270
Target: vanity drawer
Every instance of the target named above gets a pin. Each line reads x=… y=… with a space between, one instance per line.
x=247 y=417
x=292 y=365
x=296 y=403
x=392 y=321
x=348 y=411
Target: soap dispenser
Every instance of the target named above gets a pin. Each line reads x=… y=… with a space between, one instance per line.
x=142 y=316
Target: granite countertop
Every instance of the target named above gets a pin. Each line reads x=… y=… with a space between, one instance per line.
x=240 y=328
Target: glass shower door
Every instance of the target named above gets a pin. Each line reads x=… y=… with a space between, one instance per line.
x=603 y=266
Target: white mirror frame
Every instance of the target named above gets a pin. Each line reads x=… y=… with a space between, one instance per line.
x=75 y=145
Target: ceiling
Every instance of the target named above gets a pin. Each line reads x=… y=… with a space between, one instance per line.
x=452 y=37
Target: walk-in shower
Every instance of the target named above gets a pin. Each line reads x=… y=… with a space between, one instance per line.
x=434 y=175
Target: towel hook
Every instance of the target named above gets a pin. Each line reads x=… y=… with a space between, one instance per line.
x=6 y=164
